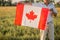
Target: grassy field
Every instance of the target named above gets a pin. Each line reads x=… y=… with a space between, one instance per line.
x=8 y=31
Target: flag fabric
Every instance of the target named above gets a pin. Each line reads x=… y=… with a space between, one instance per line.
x=27 y=15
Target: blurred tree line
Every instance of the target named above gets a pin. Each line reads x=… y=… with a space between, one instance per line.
x=9 y=2
x=5 y=2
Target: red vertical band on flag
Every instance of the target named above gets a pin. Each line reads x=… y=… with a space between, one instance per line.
x=19 y=14
x=43 y=18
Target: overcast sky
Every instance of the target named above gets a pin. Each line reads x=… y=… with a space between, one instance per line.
x=24 y=0
x=57 y=0
x=17 y=0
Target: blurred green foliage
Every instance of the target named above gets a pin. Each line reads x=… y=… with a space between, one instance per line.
x=57 y=5
x=9 y=31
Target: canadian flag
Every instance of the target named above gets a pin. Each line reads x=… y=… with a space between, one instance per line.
x=27 y=15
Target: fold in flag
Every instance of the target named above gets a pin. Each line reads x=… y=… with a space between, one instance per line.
x=27 y=15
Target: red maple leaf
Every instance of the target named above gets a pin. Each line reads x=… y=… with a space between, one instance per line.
x=31 y=15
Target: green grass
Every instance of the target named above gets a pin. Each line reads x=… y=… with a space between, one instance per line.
x=9 y=31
